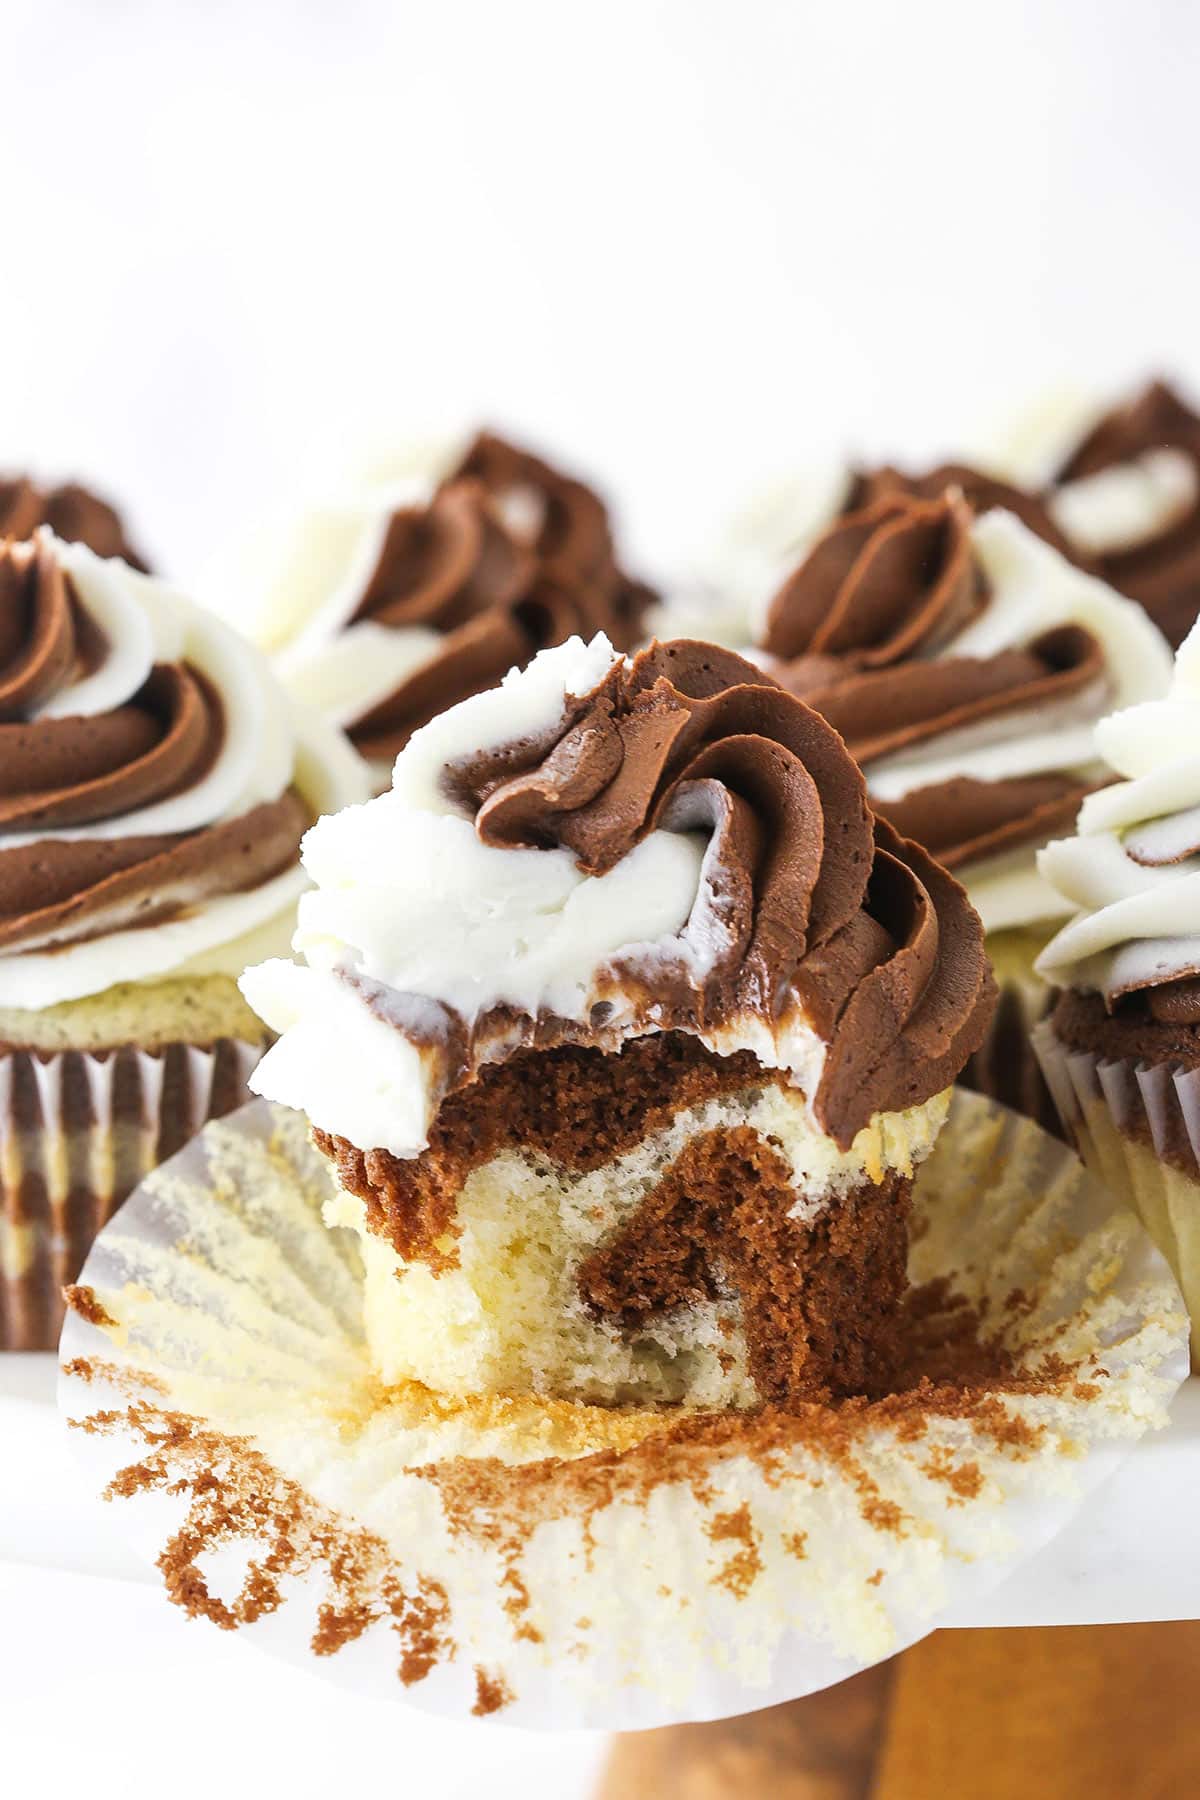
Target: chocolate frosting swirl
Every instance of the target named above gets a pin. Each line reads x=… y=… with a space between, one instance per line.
x=60 y=774
x=1162 y=572
x=808 y=900
x=72 y=512
x=982 y=492
x=860 y=632
x=457 y=567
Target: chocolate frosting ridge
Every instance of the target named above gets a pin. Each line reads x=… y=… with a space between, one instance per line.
x=1163 y=572
x=458 y=567
x=805 y=901
x=860 y=631
x=61 y=773
x=72 y=512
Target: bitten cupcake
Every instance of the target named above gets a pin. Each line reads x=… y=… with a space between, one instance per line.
x=408 y=598
x=966 y=663
x=624 y=1027
x=154 y=789
x=1128 y=497
x=1121 y=1049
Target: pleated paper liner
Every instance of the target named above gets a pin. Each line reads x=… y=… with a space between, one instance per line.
x=555 y=1564
x=1137 y=1126
x=78 y=1131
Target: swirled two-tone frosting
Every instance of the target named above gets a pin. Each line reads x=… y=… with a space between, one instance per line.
x=966 y=664
x=1132 y=871
x=1128 y=496
x=603 y=848
x=396 y=606
x=72 y=512
x=154 y=786
x=768 y=542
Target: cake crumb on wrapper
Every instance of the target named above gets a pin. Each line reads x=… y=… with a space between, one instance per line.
x=610 y=1567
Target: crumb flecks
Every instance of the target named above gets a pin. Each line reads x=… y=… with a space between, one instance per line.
x=472 y=1488
x=83 y=1300
x=492 y=1694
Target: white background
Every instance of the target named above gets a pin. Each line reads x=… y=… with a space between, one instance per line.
x=681 y=242
x=685 y=241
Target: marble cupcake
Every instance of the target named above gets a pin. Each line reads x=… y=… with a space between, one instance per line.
x=966 y=664
x=1121 y=1049
x=1127 y=496
x=413 y=594
x=154 y=788
x=625 y=1027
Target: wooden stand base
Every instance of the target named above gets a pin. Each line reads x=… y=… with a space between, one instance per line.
x=1071 y=1713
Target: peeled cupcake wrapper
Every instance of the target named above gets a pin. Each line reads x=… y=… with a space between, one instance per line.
x=1137 y=1125
x=467 y=1557
x=78 y=1131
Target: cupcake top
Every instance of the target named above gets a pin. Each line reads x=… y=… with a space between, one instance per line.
x=154 y=785
x=602 y=848
x=1128 y=496
x=408 y=599
x=766 y=543
x=966 y=663
x=72 y=512
x=1132 y=871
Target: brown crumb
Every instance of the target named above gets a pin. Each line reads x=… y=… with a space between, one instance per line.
x=492 y=1693
x=85 y=1301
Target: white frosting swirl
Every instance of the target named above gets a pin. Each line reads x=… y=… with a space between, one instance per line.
x=1129 y=504
x=1132 y=872
x=267 y=745
x=1032 y=590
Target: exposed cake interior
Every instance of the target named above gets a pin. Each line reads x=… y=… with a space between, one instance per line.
x=625 y=1025
x=658 y=1225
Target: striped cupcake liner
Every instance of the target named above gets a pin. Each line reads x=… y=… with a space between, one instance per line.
x=78 y=1131
x=1137 y=1127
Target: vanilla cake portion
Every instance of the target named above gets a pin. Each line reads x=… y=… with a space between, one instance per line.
x=626 y=1280
x=624 y=1027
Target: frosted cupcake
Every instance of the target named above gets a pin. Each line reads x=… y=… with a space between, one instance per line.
x=154 y=789
x=624 y=1029
x=1121 y=1049
x=411 y=596
x=767 y=542
x=1128 y=497
x=72 y=512
x=966 y=664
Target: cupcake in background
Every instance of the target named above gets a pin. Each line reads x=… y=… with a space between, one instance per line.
x=1127 y=496
x=154 y=788
x=767 y=541
x=966 y=664
x=424 y=588
x=1121 y=1049
x=72 y=512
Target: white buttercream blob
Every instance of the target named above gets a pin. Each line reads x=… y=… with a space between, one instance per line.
x=1128 y=504
x=1138 y=920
